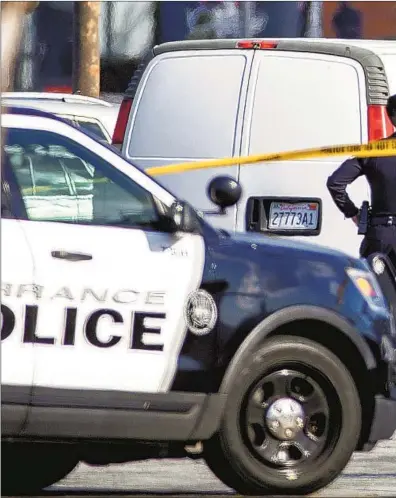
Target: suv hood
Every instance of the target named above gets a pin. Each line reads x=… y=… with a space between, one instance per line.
x=281 y=271
x=289 y=246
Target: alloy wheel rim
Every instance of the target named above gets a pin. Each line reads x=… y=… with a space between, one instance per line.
x=291 y=418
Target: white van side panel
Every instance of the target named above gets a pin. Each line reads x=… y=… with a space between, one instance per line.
x=296 y=101
x=189 y=106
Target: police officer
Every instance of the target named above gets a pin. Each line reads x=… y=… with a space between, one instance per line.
x=381 y=176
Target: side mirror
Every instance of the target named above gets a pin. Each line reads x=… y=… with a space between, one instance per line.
x=224 y=191
x=184 y=218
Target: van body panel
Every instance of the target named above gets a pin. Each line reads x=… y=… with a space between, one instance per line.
x=285 y=93
x=294 y=89
x=194 y=78
x=304 y=180
x=198 y=114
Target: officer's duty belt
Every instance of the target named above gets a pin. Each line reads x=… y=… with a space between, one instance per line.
x=383 y=220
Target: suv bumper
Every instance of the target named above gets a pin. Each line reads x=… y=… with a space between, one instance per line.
x=388 y=354
x=384 y=421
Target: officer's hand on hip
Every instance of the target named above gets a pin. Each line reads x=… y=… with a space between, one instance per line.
x=355 y=219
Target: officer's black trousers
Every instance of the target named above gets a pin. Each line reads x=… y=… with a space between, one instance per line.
x=380 y=239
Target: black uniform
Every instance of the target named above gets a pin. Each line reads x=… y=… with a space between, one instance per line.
x=381 y=176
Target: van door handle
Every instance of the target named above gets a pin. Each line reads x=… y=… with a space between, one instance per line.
x=71 y=256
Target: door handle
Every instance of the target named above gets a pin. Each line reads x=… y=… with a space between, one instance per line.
x=71 y=256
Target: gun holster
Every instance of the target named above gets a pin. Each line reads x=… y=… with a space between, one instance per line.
x=364 y=218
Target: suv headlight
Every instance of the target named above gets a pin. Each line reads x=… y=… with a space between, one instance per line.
x=367 y=285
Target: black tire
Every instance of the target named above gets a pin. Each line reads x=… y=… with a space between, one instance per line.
x=235 y=452
x=29 y=468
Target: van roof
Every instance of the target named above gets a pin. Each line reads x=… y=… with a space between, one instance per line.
x=376 y=46
x=366 y=52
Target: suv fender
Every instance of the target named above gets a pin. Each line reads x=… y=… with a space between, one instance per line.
x=288 y=315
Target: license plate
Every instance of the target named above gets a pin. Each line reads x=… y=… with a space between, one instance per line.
x=293 y=216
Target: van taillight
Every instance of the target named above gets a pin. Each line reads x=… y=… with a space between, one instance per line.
x=379 y=125
x=258 y=45
x=122 y=121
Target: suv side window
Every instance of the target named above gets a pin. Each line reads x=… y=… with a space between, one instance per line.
x=93 y=126
x=59 y=180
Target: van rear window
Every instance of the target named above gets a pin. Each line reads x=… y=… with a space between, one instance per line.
x=188 y=107
x=304 y=102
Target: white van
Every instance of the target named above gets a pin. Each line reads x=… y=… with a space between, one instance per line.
x=204 y=99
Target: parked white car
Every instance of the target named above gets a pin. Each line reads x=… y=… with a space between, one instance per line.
x=89 y=113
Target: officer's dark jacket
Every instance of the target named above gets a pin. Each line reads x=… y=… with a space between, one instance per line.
x=381 y=176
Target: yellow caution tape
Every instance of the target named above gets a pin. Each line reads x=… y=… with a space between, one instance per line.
x=380 y=148
x=373 y=149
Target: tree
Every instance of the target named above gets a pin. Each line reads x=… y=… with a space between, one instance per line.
x=12 y=14
x=86 y=46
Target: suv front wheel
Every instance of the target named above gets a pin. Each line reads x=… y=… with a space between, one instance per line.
x=291 y=423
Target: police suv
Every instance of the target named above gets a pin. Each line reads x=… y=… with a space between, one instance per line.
x=132 y=329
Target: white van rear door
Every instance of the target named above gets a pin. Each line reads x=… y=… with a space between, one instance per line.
x=189 y=106
x=297 y=101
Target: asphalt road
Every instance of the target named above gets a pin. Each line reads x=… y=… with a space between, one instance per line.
x=368 y=474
